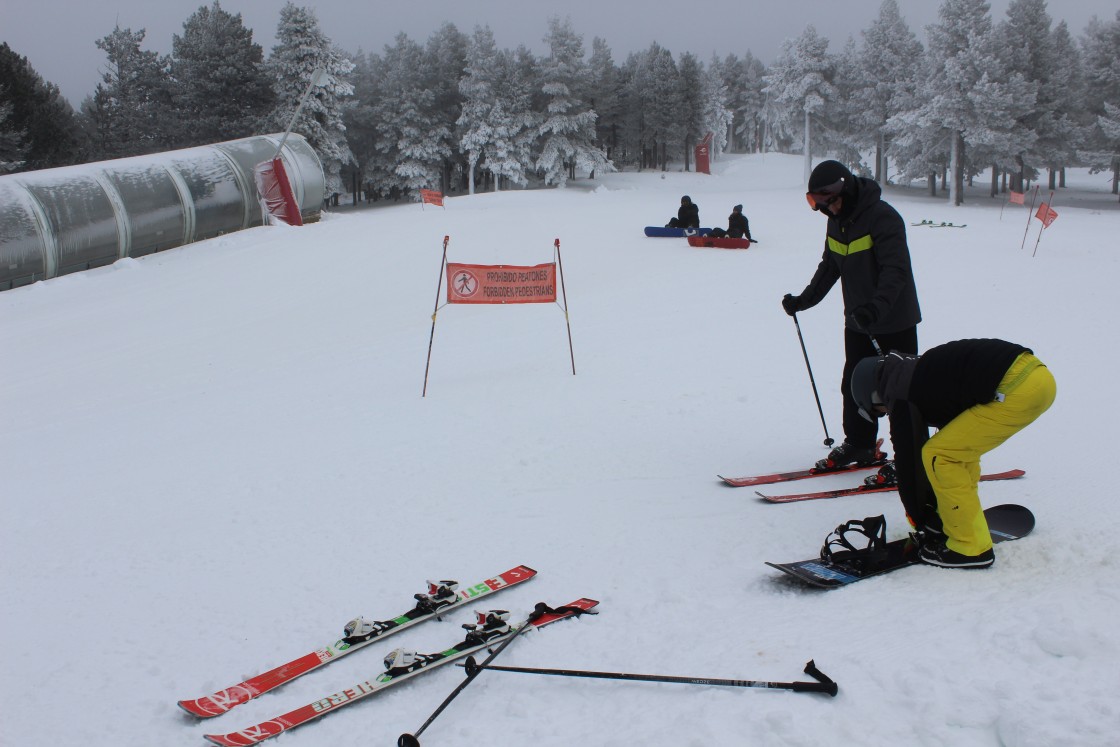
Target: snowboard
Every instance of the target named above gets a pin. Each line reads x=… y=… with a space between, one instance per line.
x=726 y=242
x=1006 y=523
x=663 y=232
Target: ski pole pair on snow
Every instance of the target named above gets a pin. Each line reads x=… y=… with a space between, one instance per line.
x=823 y=683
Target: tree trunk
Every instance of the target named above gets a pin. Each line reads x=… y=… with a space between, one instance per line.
x=932 y=179
x=808 y=150
x=995 y=181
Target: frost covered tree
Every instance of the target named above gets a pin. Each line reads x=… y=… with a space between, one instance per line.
x=694 y=127
x=481 y=119
x=653 y=128
x=886 y=77
x=412 y=145
x=1101 y=59
x=40 y=128
x=129 y=111
x=301 y=48
x=510 y=160
x=222 y=91
x=967 y=98
x=799 y=84
x=716 y=114
x=444 y=59
x=1028 y=46
x=567 y=131
x=13 y=150
x=605 y=96
x=743 y=81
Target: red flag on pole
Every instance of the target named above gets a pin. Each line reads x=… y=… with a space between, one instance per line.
x=1046 y=214
x=276 y=192
x=431 y=197
x=1017 y=198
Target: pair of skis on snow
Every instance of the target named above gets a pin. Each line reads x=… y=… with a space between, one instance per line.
x=492 y=628
x=491 y=632
x=760 y=480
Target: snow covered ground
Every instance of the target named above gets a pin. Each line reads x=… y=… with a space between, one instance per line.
x=213 y=457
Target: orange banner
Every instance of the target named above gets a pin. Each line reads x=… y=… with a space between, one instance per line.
x=1017 y=198
x=501 y=283
x=431 y=197
x=1046 y=214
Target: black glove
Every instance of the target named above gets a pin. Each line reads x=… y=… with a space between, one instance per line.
x=863 y=317
x=791 y=303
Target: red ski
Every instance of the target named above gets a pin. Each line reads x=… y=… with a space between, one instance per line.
x=747 y=482
x=374 y=685
x=840 y=493
x=711 y=242
x=215 y=705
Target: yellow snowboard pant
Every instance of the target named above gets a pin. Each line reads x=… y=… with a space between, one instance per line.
x=952 y=456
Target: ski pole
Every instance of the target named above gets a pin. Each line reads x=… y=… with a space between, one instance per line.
x=823 y=684
x=542 y=609
x=827 y=440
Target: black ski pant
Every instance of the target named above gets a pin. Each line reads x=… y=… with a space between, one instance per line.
x=857 y=346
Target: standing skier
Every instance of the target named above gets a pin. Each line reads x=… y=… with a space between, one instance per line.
x=865 y=249
x=978 y=393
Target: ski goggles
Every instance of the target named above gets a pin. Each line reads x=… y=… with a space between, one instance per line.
x=825 y=197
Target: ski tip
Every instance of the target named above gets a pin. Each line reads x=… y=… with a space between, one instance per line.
x=195 y=709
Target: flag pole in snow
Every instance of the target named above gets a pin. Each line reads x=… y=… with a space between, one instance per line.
x=564 y=292
x=318 y=78
x=439 y=286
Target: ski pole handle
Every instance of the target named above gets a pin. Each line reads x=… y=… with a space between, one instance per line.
x=826 y=684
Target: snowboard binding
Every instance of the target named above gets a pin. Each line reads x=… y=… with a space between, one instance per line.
x=860 y=544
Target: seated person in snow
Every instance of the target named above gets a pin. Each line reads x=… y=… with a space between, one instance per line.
x=688 y=216
x=737 y=226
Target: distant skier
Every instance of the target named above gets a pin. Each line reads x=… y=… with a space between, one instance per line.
x=738 y=227
x=688 y=216
x=865 y=249
x=978 y=393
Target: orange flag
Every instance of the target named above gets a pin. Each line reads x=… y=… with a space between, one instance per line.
x=1046 y=214
x=1018 y=198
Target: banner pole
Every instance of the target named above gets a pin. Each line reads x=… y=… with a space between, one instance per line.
x=1049 y=206
x=1030 y=212
x=432 y=337
x=564 y=293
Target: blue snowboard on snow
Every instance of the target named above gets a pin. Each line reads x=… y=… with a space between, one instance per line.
x=1006 y=523
x=661 y=231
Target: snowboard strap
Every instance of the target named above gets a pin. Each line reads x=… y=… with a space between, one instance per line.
x=869 y=546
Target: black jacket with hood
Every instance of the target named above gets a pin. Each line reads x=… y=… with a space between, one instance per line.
x=865 y=248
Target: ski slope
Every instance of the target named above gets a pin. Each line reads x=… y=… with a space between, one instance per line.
x=214 y=457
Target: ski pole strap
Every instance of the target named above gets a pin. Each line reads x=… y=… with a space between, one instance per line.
x=541 y=609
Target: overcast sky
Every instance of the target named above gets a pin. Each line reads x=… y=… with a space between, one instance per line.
x=58 y=36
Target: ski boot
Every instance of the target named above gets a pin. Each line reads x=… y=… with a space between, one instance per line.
x=886 y=477
x=440 y=594
x=488 y=625
x=846 y=453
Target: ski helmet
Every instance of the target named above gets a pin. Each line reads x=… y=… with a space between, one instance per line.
x=865 y=382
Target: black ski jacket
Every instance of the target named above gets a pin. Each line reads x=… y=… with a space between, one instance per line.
x=933 y=389
x=865 y=248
